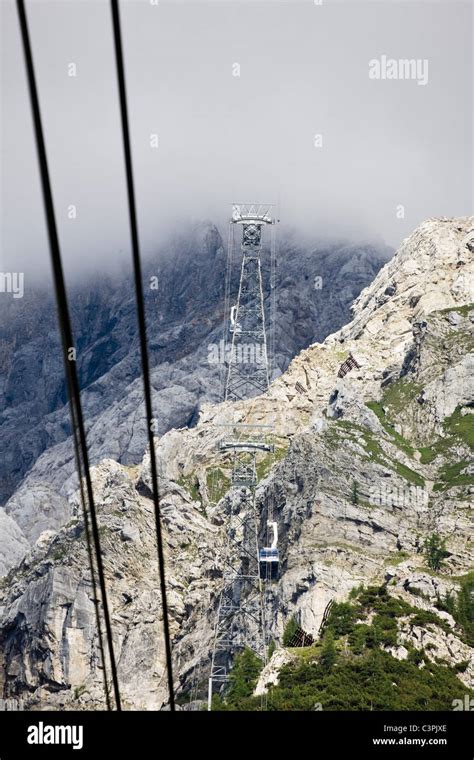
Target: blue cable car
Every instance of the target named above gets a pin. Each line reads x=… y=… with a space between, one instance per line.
x=268 y=557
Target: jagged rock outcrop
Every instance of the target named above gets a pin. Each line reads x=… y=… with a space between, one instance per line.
x=49 y=641
x=184 y=306
x=269 y=674
x=14 y=544
x=367 y=466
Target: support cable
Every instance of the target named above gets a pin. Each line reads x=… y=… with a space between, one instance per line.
x=89 y=548
x=65 y=326
x=142 y=331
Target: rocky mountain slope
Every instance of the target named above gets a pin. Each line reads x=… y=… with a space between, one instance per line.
x=368 y=467
x=184 y=304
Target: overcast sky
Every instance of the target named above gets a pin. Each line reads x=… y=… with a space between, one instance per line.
x=304 y=70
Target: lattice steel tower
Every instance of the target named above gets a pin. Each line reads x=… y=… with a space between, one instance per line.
x=240 y=615
x=247 y=363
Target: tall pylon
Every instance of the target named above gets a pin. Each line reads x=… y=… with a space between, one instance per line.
x=248 y=370
x=240 y=622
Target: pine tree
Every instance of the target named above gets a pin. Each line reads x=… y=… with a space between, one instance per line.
x=435 y=550
x=290 y=630
x=328 y=655
x=355 y=492
x=243 y=676
x=465 y=608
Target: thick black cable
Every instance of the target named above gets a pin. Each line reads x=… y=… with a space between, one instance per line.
x=89 y=546
x=65 y=324
x=143 y=338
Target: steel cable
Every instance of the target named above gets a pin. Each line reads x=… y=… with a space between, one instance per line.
x=65 y=327
x=142 y=333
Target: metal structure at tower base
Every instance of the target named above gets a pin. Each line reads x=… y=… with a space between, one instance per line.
x=240 y=614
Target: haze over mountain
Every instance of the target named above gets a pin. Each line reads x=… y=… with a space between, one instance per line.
x=184 y=295
x=228 y=135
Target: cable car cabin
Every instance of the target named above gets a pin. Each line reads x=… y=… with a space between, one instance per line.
x=268 y=562
x=268 y=558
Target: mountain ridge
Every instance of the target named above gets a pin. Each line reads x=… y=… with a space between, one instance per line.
x=399 y=426
x=184 y=317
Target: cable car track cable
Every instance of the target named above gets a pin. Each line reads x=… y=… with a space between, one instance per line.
x=65 y=326
x=114 y=5
x=89 y=549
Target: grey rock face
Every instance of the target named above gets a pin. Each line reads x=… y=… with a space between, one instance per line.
x=184 y=318
x=330 y=540
x=14 y=544
x=48 y=634
x=38 y=510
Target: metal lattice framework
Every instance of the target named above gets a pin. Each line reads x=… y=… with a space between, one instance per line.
x=240 y=622
x=241 y=612
x=248 y=364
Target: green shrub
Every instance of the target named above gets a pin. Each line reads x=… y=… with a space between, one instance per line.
x=461 y=607
x=290 y=630
x=385 y=628
x=464 y=610
x=358 y=638
x=242 y=681
x=435 y=551
x=351 y=670
x=415 y=656
x=373 y=681
x=341 y=618
x=328 y=654
x=355 y=492
x=448 y=604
